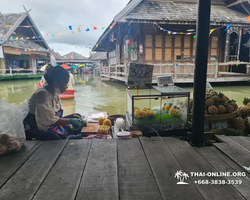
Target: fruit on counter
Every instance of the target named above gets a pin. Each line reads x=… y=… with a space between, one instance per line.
x=213 y=110
x=104 y=129
x=175 y=111
x=221 y=109
x=247 y=125
x=107 y=122
x=9 y=143
x=245 y=111
x=215 y=98
x=209 y=102
x=101 y=120
x=3 y=149
x=233 y=103
x=246 y=102
x=238 y=123
x=222 y=98
x=229 y=108
x=218 y=103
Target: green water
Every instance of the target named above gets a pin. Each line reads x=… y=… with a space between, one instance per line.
x=96 y=95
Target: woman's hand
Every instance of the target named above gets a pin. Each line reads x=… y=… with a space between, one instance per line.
x=76 y=123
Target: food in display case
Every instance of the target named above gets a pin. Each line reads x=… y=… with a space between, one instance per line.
x=158 y=106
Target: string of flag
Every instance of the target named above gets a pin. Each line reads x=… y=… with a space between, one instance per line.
x=190 y=33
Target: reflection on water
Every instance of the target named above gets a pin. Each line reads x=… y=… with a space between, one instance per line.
x=93 y=94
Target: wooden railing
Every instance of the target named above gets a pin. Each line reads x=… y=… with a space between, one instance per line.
x=11 y=72
x=177 y=70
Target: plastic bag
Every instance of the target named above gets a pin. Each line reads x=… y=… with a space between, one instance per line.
x=12 y=133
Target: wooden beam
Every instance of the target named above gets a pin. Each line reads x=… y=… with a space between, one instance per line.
x=236 y=3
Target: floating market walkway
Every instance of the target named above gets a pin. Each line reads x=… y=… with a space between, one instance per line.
x=184 y=72
x=138 y=168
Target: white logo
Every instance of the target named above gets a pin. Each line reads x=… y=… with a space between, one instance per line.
x=181 y=177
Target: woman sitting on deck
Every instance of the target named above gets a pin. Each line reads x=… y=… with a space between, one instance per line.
x=44 y=121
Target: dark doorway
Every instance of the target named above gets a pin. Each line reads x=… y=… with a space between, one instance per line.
x=244 y=52
x=234 y=38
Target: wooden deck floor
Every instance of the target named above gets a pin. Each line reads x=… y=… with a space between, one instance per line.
x=122 y=169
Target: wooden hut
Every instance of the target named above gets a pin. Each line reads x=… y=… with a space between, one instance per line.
x=162 y=33
x=22 y=44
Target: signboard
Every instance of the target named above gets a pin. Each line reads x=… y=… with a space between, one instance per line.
x=1 y=52
x=140 y=75
x=165 y=80
x=209 y=87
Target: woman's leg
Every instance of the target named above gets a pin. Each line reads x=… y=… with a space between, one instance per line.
x=40 y=135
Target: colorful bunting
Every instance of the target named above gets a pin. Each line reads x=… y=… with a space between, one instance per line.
x=79 y=28
x=87 y=29
x=128 y=41
x=228 y=26
x=39 y=37
x=128 y=31
x=96 y=45
x=27 y=38
x=26 y=26
x=248 y=18
x=212 y=30
x=127 y=50
x=59 y=34
x=1 y=40
x=47 y=35
x=194 y=36
x=16 y=38
x=72 y=32
x=8 y=26
x=95 y=28
x=103 y=27
x=70 y=28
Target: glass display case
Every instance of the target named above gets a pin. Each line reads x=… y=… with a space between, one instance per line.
x=166 y=107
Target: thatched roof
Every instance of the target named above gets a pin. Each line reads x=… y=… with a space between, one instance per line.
x=182 y=12
x=16 y=25
x=23 y=44
x=173 y=12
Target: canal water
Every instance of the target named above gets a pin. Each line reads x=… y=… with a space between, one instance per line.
x=93 y=94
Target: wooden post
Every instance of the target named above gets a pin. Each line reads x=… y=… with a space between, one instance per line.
x=200 y=72
x=175 y=72
x=216 y=70
x=2 y=66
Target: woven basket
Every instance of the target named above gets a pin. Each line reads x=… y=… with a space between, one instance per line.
x=219 y=117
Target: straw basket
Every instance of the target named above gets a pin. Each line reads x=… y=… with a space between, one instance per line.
x=220 y=117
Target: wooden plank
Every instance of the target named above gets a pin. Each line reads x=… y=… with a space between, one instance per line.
x=136 y=180
x=66 y=175
x=11 y=163
x=211 y=155
x=100 y=179
x=26 y=181
x=164 y=166
x=191 y=161
x=243 y=141
x=235 y=151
